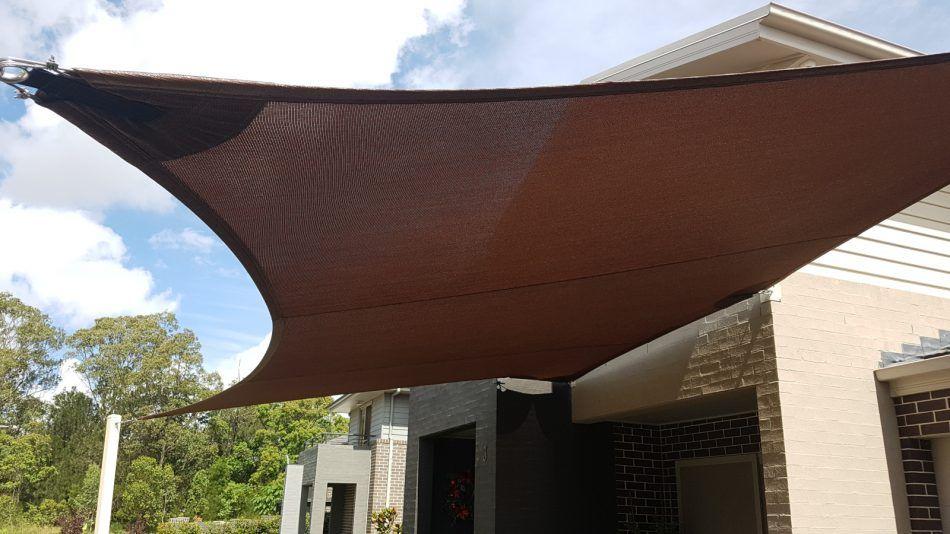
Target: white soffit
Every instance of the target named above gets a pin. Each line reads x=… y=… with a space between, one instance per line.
x=351 y=401
x=770 y=34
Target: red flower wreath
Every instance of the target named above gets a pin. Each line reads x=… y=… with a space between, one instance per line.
x=460 y=499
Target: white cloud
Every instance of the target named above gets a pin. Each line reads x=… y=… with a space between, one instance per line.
x=549 y=42
x=51 y=163
x=187 y=239
x=72 y=267
x=29 y=24
x=288 y=41
x=238 y=366
x=330 y=43
x=69 y=379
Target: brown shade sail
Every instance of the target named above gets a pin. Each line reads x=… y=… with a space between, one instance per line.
x=402 y=238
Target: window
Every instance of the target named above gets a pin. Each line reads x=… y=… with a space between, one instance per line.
x=366 y=423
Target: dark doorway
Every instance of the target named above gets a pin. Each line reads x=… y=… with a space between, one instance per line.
x=339 y=513
x=447 y=483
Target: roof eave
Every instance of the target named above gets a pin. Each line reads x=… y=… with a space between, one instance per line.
x=747 y=27
x=346 y=403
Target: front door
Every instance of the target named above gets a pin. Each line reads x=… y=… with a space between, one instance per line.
x=719 y=495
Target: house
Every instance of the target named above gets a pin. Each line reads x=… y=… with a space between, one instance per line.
x=358 y=473
x=820 y=405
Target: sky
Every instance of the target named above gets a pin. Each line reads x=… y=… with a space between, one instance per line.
x=84 y=235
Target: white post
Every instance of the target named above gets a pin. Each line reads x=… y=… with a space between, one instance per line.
x=110 y=453
x=291 y=511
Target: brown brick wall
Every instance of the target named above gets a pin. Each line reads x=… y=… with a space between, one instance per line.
x=379 y=464
x=645 y=461
x=918 y=416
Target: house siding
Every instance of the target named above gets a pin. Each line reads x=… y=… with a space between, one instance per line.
x=910 y=251
x=400 y=414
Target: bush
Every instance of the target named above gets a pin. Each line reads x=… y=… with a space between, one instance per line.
x=384 y=521
x=47 y=512
x=180 y=528
x=71 y=523
x=9 y=511
x=261 y=525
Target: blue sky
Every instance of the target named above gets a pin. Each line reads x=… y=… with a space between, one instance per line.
x=83 y=235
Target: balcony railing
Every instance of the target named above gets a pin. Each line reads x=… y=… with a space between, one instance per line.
x=339 y=438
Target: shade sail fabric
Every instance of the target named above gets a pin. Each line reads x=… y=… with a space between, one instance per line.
x=402 y=238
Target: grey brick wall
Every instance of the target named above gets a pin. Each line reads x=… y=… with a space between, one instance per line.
x=436 y=409
x=535 y=462
x=526 y=471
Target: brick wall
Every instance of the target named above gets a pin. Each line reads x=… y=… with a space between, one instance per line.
x=921 y=414
x=524 y=464
x=533 y=488
x=349 y=508
x=841 y=444
x=645 y=462
x=379 y=468
x=434 y=409
x=735 y=348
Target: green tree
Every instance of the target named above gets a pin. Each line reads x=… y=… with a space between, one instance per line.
x=227 y=428
x=28 y=342
x=267 y=498
x=149 y=492
x=231 y=463
x=83 y=500
x=141 y=364
x=145 y=364
x=24 y=463
x=291 y=426
x=199 y=497
x=75 y=431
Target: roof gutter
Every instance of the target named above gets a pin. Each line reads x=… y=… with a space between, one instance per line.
x=796 y=22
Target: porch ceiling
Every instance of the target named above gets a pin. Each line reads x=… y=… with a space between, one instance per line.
x=714 y=404
x=415 y=237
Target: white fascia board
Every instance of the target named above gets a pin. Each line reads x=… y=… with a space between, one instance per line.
x=833 y=35
x=350 y=401
x=733 y=32
x=808 y=46
x=771 y=22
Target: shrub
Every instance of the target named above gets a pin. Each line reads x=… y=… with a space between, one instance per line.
x=384 y=521
x=71 y=523
x=260 y=525
x=148 y=491
x=180 y=528
x=47 y=512
x=9 y=510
